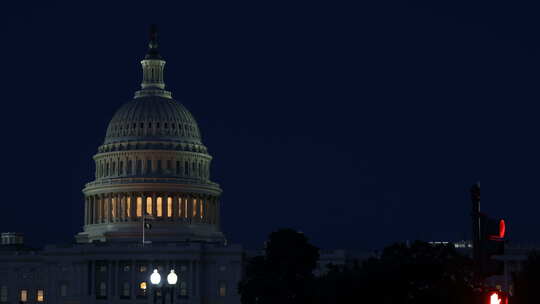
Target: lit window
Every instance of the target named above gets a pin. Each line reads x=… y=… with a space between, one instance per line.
x=201 y=209
x=3 y=294
x=169 y=207
x=113 y=207
x=149 y=205
x=142 y=268
x=222 y=289
x=128 y=207
x=142 y=285
x=40 y=295
x=23 y=295
x=194 y=207
x=139 y=206
x=63 y=290
x=159 y=206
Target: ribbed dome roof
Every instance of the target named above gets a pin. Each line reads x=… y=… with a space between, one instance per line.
x=153 y=118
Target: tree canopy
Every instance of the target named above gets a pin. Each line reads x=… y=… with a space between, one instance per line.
x=527 y=281
x=284 y=273
x=417 y=273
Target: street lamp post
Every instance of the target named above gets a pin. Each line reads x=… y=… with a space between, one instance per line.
x=157 y=284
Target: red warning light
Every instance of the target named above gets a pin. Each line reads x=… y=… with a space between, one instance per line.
x=494 y=298
x=497 y=297
x=502 y=229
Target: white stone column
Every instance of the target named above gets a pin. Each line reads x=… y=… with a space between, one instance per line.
x=95 y=207
x=108 y=208
x=86 y=203
x=154 y=204
x=190 y=206
x=196 y=209
x=206 y=209
x=143 y=204
x=175 y=207
x=89 y=210
x=133 y=207
x=100 y=208
x=183 y=206
x=121 y=199
x=218 y=216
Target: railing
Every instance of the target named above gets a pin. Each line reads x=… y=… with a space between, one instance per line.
x=117 y=181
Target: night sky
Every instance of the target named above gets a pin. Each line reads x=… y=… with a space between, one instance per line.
x=359 y=125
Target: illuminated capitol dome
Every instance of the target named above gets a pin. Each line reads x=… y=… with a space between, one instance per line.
x=152 y=168
x=151 y=209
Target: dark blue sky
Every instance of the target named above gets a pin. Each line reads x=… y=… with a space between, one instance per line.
x=359 y=125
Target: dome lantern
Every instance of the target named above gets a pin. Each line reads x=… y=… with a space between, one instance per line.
x=153 y=66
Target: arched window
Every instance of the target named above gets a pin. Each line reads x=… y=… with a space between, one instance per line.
x=113 y=207
x=121 y=168
x=194 y=207
x=201 y=208
x=113 y=168
x=169 y=166
x=148 y=166
x=159 y=206
x=159 y=168
x=129 y=167
x=139 y=206
x=169 y=206
x=149 y=205
x=139 y=166
x=128 y=207
x=186 y=168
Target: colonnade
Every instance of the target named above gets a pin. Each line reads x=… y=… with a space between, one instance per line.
x=129 y=207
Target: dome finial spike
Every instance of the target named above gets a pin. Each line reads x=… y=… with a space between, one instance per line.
x=153 y=52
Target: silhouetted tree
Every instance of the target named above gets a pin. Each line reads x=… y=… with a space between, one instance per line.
x=420 y=273
x=527 y=281
x=284 y=274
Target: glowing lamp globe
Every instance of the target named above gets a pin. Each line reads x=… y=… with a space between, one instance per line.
x=172 y=278
x=155 y=278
